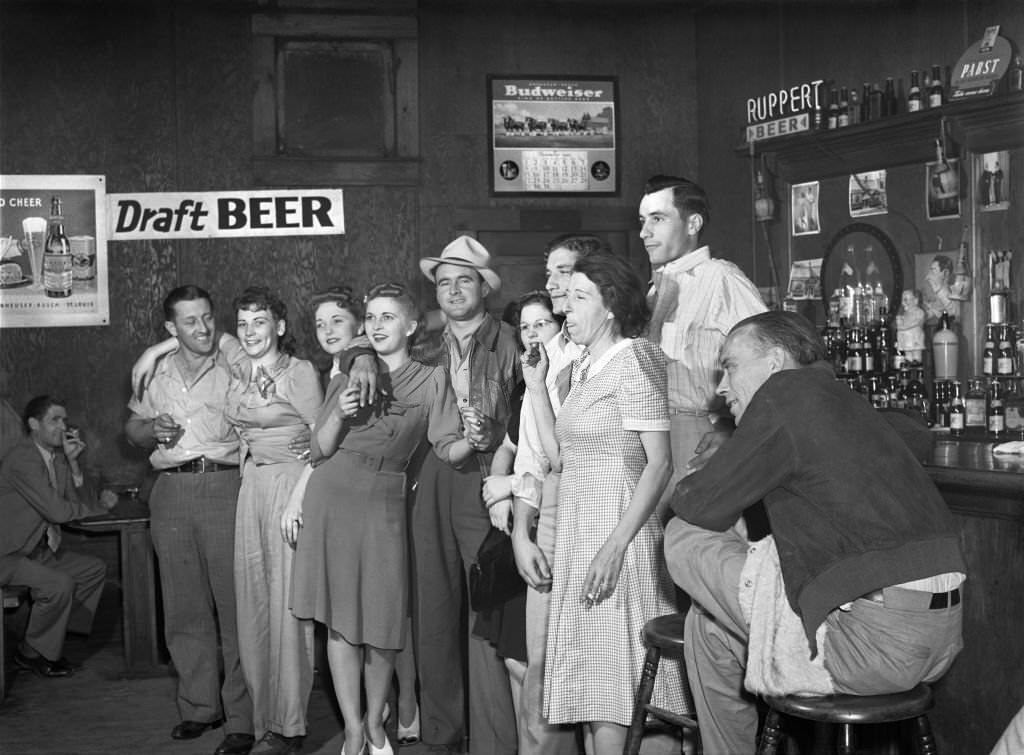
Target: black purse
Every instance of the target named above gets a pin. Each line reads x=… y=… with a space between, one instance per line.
x=494 y=578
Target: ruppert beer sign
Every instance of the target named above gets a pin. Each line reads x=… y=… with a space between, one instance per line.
x=224 y=214
x=786 y=111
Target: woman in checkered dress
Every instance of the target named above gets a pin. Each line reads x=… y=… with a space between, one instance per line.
x=609 y=575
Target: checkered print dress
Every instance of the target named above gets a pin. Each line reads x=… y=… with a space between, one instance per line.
x=595 y=656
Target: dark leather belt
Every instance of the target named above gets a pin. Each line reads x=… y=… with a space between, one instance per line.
x=376 y=463
x=898 y=597
x=202 y=465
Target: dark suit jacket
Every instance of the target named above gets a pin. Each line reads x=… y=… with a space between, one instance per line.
x=27 y=501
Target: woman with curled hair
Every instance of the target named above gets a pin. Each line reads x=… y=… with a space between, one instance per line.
x=611 y=439
x=349 y=530
x=272 y=397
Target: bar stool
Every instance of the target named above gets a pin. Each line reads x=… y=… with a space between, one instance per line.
x=848 y=711
x=664 y=633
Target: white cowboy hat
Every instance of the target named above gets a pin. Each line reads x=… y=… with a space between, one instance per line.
x=467 y=252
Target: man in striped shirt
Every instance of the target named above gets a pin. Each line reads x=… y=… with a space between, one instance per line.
x=696 y=299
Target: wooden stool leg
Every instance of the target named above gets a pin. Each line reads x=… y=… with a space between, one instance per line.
x=635 y=734
x=771 y=734
x=3 y=647
x=923 y=736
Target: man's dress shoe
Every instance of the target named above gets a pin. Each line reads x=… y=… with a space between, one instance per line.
x=42 y=666
x=193 y=729
x=235 y=744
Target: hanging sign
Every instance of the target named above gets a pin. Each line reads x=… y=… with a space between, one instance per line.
x=979 y=70
x=787 y=111
x=224 y=214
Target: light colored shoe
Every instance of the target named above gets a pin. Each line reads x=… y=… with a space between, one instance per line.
x=384 y=749
x=409 y=735
x=362 y=750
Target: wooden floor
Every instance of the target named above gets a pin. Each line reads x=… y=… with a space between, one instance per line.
x=99 y=711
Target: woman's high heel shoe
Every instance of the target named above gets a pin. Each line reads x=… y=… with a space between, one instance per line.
x=384 y=749
x=362 y=750
x=409 y=735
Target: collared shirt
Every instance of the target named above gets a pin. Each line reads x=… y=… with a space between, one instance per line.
x=198 y=406
x=532 y=464
x=712 y=296
x=494 y=372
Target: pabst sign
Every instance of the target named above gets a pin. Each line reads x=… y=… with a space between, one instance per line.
x=979 y=69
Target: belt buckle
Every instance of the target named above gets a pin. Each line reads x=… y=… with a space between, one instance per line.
x=199 y=465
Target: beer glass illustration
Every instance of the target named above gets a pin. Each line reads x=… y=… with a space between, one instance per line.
x=34 y=242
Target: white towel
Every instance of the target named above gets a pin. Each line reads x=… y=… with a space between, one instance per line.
x=778 y=654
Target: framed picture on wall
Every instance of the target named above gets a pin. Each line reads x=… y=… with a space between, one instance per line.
x=942 y=189
x=804 y=201
x=868 y=194
x=553 y=135
x=994 y=181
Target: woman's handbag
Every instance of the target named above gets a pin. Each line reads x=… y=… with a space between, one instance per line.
x=494 y=578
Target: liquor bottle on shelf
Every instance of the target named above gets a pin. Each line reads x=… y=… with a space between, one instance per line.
x=916 y=395
x=892 y=389
x=946 y=349
x=833 y=109
x=996 y=414
x=883 y=343
x=890 y=105
x=898 y=400
x=936 y=92
x=854 y=109
x=854 y=353
x=957 y=411
x=877 y=394
x=843 y=118
x=914 y=95
x=940 y=403
x=875 y=108
x=865 y=103
x=975 y=403
x=1004 y=357
x=1015 y=76
x=57 y=261
x=988 y=354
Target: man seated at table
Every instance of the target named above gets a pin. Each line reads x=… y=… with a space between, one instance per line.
x=858 y=589
x=40 y=487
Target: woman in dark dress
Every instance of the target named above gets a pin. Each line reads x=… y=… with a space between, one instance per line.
x=351 y=570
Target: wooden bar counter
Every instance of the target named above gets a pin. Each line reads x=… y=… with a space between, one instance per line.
x=985 y=686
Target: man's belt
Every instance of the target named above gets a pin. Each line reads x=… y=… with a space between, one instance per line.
x=201 y=465
x=899 y=597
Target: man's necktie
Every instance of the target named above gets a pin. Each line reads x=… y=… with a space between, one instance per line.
x=662 y=300
x=563 y=382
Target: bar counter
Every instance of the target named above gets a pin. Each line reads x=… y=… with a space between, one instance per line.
x=985 y=686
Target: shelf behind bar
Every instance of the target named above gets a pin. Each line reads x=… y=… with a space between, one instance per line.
x=983 y=124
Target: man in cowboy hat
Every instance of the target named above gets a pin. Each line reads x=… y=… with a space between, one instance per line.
x=449 y=520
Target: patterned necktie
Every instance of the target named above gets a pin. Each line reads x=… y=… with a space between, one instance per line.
x=662 y=300
x=580 y=366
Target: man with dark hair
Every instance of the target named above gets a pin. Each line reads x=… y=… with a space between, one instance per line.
x=41 y=487
x=858 y=588
x=180 y=418
x=695 y=300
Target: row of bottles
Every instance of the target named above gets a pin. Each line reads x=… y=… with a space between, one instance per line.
x=846 y=108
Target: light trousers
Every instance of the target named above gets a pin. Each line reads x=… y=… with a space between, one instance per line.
x=276 y=647
x=870 y=649
x=536 y=735
x=192 y=521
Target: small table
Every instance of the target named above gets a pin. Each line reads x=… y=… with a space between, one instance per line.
x=130 y=519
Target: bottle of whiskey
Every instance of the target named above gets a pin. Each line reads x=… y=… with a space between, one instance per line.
x=833 y=109
x=914 y=95
x=996 y=415
x=1004 y=357
x=988 y=354
x=843 y=119
x=936 y=93
x=57 y=262
x=957 y=412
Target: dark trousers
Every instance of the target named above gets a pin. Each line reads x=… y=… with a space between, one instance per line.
x=66 y=589
x=193 y=527
x=449 y=522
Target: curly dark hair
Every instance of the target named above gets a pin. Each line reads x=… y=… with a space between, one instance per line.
x=622 y=290
x=342 y=296
x=257 y=298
